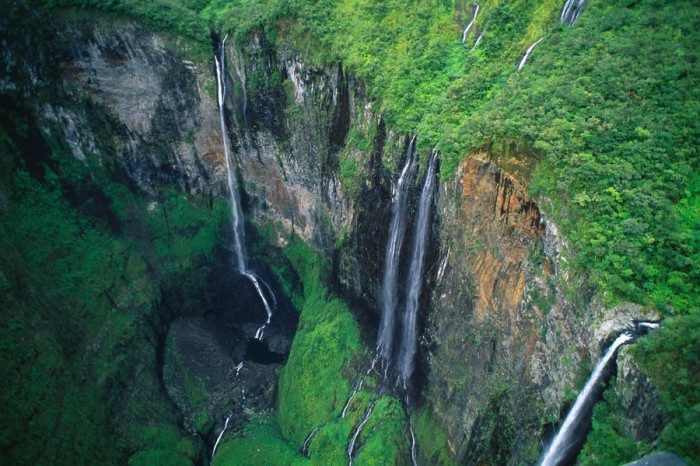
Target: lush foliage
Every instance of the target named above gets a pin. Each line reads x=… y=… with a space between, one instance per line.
x=606 y=111
x=672 y=359
x=85 y=264
x=608 y=443
x=313 y=390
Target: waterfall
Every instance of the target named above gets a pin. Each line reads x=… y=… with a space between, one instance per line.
x=307 y=442
x=469 y=26
x=397 y=228
x=414 y=446
x=527 y=54
x=570 y=13
x=476 y=43
x=415 y=278
x=559 y=447
x=236 y=211
x=228 y=418
x=356 y=434
x=358 y=386
x=221 y=434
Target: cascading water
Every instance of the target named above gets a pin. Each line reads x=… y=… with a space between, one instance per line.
x=471 y=23
x=527 y=54
x=228 y=418
x=560 y=447
x=408 y=344
x=307 y=441
x=397 y=229
x=476 y=43
x=415 y=277
x=351 y=447
x=358 y=386
x=570 y=13
x=237 y=212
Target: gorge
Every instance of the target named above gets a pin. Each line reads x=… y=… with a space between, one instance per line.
x=335 y=232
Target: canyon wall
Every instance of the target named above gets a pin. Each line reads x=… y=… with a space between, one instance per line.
x=508 y=330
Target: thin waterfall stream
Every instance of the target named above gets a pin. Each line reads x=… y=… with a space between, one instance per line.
x=527 y=54
x=570 y=13
x=408 y=343
x=352 y=453
x=228 y=418
x=236 y=210
x=471 y=23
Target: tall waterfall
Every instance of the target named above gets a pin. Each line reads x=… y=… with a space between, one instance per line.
x=570 y=13
x=469 y=26
x=563 y=441
x=415 y=278
x=527 y=54
x=397 y=229
x=237 y=212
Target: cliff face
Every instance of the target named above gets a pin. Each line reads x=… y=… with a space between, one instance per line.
x=511 y=333
x=165 y=121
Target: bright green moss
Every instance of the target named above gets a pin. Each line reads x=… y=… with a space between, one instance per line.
x=311 y=388
x=260 y=444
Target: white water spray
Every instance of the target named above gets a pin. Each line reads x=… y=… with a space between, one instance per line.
x=236 y=211
x=527 y=54
x=558 y=450
x=415 y=277
x=469 y=26
x=649 y=324
x=397 y=228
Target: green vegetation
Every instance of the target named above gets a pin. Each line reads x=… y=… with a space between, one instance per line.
x=431 y=438
x=327 y=340
x=86 y=263
x=312 y=390
x=608 y=444
x=670 y=357
x=606 y=111
x=261 y=443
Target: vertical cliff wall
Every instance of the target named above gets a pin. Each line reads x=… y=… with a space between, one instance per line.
x=512 y=332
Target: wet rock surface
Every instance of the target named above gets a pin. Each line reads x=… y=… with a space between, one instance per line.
x=164 y=120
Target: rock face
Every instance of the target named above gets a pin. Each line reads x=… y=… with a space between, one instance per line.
x=164 y=120
x=287 y=151
x=511 y=334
